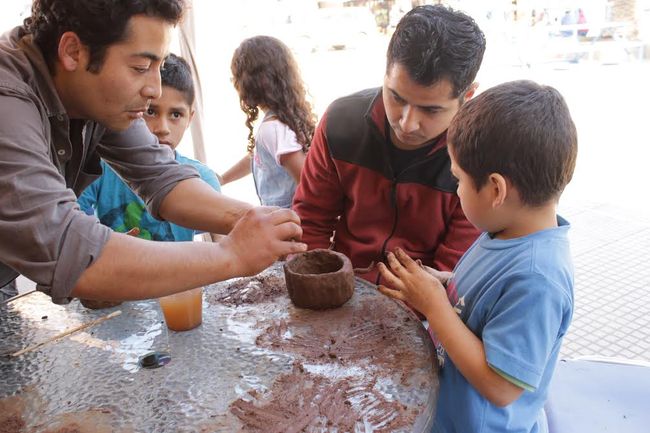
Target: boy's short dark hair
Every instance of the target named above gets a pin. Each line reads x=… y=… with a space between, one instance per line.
x=98 y=23
x=521 y=130
x=433 y=43
x=176 y=73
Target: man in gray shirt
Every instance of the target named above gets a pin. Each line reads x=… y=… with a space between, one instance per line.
x=75 y=80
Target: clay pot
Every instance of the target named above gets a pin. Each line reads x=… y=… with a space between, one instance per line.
x=319 y=279
x=97 y=305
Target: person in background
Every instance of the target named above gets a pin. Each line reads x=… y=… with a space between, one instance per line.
x=267 y=78
x=498 y=321
x=582 y=19
x=76 y=80
x=377 y=174
x=167 y=118
x=567 y=20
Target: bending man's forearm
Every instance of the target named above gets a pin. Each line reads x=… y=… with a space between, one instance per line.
x=194 y=204
x=130 y=268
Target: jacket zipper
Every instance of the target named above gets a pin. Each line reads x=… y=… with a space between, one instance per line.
x=393 y=202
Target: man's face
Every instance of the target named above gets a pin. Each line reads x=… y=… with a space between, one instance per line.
x=169 y=116
x=416 y=113
x=129 y=77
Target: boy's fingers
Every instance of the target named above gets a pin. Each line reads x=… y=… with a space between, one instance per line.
x=395 y=294
x=384 y=271
x=405 y=260
x=394 y=264
x=390 y=278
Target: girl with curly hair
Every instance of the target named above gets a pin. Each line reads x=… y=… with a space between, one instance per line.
x=267 y=78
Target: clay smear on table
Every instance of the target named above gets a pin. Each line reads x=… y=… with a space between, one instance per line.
x=12 y=419
x=11 y=415
x=373 y=335
x=304 y=401
x=347 y=361
x=301 y=401
x=248 y=290
x=90 y=421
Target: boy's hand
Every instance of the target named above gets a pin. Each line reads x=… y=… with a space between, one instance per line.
x=442 y=276
x=411 y=283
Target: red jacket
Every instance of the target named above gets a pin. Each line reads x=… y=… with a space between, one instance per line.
x=348 y=174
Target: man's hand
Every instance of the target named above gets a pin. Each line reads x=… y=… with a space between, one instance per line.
x=408 y=281
x=261 y=236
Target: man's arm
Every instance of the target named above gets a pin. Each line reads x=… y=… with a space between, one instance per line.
x=319 y=196
x=43 y=233
x=460 y=235
x=193 y=203
x=132 y=268
x=45 y=236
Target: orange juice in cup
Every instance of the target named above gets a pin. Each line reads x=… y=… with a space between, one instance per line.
x=183 y=311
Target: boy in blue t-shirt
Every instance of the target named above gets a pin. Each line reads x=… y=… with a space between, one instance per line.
x=168 y=117
x=499 y=324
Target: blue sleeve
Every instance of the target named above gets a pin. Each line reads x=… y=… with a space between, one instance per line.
x=208 y=176
x=88 y=198
x=524 y=327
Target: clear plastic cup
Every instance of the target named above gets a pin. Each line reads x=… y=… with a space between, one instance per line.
x=183 y=311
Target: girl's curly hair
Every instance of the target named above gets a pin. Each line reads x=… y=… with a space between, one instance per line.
x=265 y=74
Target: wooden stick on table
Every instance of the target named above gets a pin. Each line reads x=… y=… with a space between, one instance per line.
x=13 y=298
x=68 y=332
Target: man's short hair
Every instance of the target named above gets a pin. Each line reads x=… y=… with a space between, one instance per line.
x=176 y=73
x=521 y=130
x=433 y=43
x=98 y=23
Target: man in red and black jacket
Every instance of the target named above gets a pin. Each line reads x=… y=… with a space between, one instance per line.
x=377 y=174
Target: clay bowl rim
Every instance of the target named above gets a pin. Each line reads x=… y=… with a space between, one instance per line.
x=345 y=263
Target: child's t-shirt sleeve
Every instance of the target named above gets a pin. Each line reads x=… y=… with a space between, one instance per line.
x=205 y=172
x=278 y=139
x=208 y=176
x=524 y=328
x=512 y=380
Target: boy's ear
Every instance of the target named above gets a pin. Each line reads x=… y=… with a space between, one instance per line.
x=499 y=186
x=192 y=111
x=72 y=52
x=470 y=91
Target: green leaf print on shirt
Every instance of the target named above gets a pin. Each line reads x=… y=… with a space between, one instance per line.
x=133 y=218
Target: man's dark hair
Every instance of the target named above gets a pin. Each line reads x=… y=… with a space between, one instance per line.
x=434 y=43
x=176 y=73
x=98 y=23
x=521 y=130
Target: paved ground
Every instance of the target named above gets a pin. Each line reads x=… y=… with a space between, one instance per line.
x=611 y=249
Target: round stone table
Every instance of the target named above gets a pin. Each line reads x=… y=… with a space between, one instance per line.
x=256 y=364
